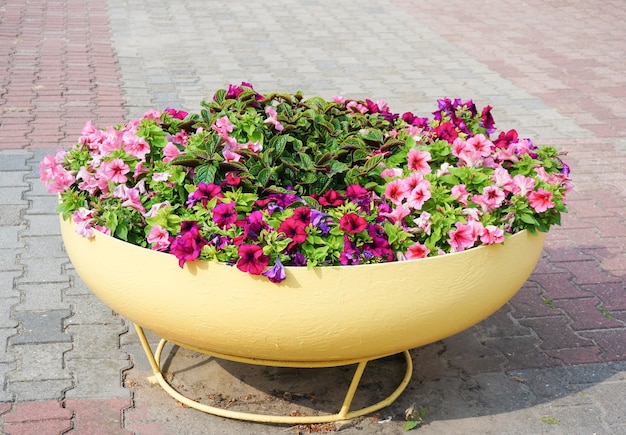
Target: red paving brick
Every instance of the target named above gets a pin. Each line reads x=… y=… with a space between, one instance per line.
x=97 y=416
x=60 y=66
x=45 y=417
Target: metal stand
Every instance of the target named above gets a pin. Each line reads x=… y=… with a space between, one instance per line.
x=343 y=414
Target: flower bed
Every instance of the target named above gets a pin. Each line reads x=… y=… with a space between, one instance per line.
x=267 y=181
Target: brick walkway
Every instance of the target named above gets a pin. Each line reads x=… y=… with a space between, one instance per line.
x=555 y=353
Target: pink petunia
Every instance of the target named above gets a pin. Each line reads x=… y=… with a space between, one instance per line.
x=480 y=144
x=460 y=193
x=158 y=238
x=397 y=214
x=540 y=200
x=170 y=152
x=462 y=237
x=416 y=198
x=416 y=251
x=271 y=119
x=84 y=220
x=223 y=126
x=115 y=171
x=418 y=161
x=394 y=191
x=492 y=234
x=391 y=173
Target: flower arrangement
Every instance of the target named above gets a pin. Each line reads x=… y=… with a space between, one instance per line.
x=267 y=181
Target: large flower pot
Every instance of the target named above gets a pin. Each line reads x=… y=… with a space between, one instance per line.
x=320 y=314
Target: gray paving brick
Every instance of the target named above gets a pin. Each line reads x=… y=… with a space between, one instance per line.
x=11 y=215
x=89 y=310
x=42 y=225
x=31 y=390
x=9 y=237
x=13 y=179
x=42 y=296
x=5 y=333
x=44 y=270
x=12 y=196
x=41 y=327
x=43 y=247
x=6 y=305
x=7 y=280
x=98 y=378
x=14 y=160
x=41 y=204
x=41 y=361
x=96 y=341
x=5 y=395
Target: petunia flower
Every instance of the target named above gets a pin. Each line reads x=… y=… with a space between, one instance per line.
x=252 y=259
x=276 y=273
x=540 y=200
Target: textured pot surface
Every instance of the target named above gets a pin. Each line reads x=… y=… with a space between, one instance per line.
x=321 y=314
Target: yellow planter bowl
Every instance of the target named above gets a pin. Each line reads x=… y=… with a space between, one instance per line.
x=316 y=315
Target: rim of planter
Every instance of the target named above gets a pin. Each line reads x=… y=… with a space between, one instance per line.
x=335 y=313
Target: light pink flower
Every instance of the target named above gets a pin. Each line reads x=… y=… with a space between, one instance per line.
x=223 y=126
x=271 y=112
x=502 y=179
x=394 y=191
x=155 y=209
x=416 y=198
x=136 y=146
x=255 y=147
x=522 y=184
x=416 y=251
x=152 y=114
x=160 y=176
x=491 y=198
x=480 y=144
x=412 y=181
x=423 y=222
x=492 y=234
x=170 y=152
x=391 y=173
x=111 y=141
x=462 y=238
x=115 y=171
x=158 y=238
x=460 y=193
x=231 y=156
x=397 y=214
x=91 y=136
x=418 y=161
x=84 y=220
x=540 y=200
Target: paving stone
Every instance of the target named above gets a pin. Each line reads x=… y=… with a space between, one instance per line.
x=7 y=280
x=98 y=378
x=43 y=247
x=42 y=225
x=40 y=362
x=44 y=270
x=41 y=297
x=12 y=179
x=41 y=327
x=99 y=341
x=89 y=310
x=9 y=236
x=98 y=415
x=11 y=215
x=6 y=395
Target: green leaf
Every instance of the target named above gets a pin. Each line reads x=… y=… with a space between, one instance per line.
x=373 y=162
x=372 y=135
x=205 y=174
x=264 y=176
x=220 y=95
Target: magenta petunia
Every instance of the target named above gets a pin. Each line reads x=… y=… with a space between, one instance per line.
x=352 y=223
x=224 y=214
x=252 y=259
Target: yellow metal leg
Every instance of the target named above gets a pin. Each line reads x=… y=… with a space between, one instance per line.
x=343 y=414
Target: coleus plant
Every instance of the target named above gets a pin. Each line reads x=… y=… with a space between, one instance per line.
x=264 y=181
